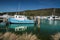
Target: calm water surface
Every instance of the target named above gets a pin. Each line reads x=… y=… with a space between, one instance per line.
x=43 y=31
x=48 y=28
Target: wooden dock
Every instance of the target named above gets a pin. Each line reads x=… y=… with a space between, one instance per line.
x=36 y=19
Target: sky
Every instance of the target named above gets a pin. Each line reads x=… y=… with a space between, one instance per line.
x=21 y=5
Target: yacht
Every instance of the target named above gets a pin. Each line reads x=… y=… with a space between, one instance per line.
x=20 y=19
x=53 y=17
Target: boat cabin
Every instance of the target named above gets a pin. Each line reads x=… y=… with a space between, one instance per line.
x=20 y=17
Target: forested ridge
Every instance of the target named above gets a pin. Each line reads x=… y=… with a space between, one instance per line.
x=38 y=12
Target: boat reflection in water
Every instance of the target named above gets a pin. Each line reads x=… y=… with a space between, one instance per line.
x=20 y=27
x=52 y=22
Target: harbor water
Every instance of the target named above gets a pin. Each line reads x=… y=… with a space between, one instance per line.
x=43 y=31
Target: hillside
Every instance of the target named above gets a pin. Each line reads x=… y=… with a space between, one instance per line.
x=40 y=12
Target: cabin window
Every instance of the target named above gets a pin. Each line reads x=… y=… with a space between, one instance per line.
x=53 y=17
x=16 y=16
x=19 y=17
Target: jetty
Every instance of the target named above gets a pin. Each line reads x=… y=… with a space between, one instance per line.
x=36 y=19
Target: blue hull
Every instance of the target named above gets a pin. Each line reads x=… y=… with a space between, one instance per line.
x=13 y=20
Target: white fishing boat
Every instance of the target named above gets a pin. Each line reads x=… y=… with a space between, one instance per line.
x=20 y=19
x=53 y=17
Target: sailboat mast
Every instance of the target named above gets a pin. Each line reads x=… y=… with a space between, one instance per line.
x=54 y=11
x=18 y=8
x=16 y=11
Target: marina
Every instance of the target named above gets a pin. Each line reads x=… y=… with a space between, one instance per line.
x=29 y=19
x=40 y=25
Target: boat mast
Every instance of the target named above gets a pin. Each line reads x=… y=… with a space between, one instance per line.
x=24 y=13
x=18 y=7
x=54 y=11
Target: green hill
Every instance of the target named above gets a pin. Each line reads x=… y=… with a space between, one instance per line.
x=39 y=12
